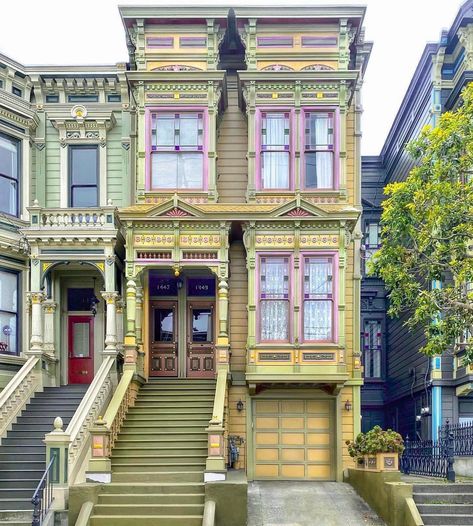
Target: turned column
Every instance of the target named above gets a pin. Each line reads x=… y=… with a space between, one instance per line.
x=49 y=307
x=36 y=342
x=223 y=346
x=130 y=337
x=111 y=322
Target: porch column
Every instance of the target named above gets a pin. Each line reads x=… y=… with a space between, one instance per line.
x=111 y=331
x=36 y=341
x=139 y=315
x=223 y=340
x=130 y=337
x=119 y=313
x=49 y=307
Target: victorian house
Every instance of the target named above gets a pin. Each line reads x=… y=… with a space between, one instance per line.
x=403 y=388
x=181 y=247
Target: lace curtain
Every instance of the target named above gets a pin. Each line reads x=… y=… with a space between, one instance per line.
x=318 y=304
x=274 y=299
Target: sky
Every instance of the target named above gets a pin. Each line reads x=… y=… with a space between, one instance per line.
x=91 y=32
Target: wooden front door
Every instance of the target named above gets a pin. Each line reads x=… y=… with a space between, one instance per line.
x=81 y=349
x=164 y=349
x=200 y=340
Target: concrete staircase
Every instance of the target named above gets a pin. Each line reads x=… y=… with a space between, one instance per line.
x=23 y=453
x=444 y=504
x=158 y=461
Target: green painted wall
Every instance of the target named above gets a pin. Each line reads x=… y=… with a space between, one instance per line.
x=52 y=166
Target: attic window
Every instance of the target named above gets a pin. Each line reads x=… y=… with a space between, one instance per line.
x=17 y=91
x=52 y=98
x=83 y=98
x=313 y=41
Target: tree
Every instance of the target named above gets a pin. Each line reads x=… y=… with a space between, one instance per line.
x=427 y=234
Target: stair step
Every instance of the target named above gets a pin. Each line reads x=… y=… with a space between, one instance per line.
x=148 y=509
x=32 y=449
x=443 y=488
x=190 y=424
x=435 y=498
x=147 y=416
x=25 y=456
x=441 y=520
x=14 y=493
x=132 y=458
x=22 y=465
x=9 y=474
x=156 y=435
x=15 y=504
x=19 y=483
x=145 y=467
x=158 y=476
x=171 y=404
x=152 y=498
x=184 y=411
x=146 y=520
x=162 y=452
x=445 y=509
x=157 y=488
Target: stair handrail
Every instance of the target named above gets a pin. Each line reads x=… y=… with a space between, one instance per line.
x=216 y=428
x=122 y=399
x=91 y=406
x=18 y=392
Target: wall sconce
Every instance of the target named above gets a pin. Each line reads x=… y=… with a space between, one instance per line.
x=94 y=301
x=348 y=406
x=239 y=406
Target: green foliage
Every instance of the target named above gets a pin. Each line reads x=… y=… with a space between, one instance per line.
x=375 y=441
x=427 y=233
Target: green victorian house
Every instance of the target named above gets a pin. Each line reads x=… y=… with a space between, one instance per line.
x=179 y=246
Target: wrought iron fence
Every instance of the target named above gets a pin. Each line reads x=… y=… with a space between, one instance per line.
x=43 y=496
x=432 y=458
x=462 y=438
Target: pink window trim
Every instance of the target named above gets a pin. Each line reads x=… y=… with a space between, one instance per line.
x=336 y=145
x=289 y=256
x=292 y=143
x=334 y=256
x=205 y=145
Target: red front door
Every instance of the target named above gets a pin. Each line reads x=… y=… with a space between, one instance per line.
x=81 y=349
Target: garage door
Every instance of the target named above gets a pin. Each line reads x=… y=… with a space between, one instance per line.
x=293 y=439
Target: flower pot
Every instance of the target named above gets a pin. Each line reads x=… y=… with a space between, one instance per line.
x=382 y=462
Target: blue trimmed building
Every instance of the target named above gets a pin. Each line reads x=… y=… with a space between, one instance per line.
x=403 y=388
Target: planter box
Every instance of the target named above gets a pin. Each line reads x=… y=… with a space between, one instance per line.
x=382 y=462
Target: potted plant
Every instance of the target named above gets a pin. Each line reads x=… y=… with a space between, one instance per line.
x=377 y=449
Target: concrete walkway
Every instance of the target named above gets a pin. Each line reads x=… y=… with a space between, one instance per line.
x=307 y=504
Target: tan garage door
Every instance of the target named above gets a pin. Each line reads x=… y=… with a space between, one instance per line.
x=293 y=439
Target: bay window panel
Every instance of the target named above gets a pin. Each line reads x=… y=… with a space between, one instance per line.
x=8 y=312
x=274 y=278
x=318 y=277
x=319 y=151
x=165 y=130
x=8 y=291
x=317 y=320
x=275 y=130
x=8 y=196
x=319 y=170
x=8 y=157
x=274 y=320
x=84 y=165
x=190 y=170
x=275 y=170
x=8 y=333
x=190 y=131
x=372 y=349
x=319 y=131
x=164 y=170
x=177 y=170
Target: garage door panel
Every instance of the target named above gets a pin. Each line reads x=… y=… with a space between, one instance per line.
x=294 y=439
x=292 y=422
x=267 y=470
x=292 y=406
x=293 y=471
x=292 y=454
x=265 y=422
x=267 y=454
x=266 y=439
x=318 y=422
x=318 y=439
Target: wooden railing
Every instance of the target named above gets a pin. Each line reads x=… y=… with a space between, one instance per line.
x=216 y=429
x=18 y=392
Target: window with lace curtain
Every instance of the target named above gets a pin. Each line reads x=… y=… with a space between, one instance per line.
x=372 y=349
x=319 y=150
x=9 y=174
x=177 y=151
x=274 y=299
x=318 y=299
x=275 y=155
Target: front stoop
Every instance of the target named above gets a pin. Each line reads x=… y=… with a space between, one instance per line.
x=445 y=504
x=158 y=461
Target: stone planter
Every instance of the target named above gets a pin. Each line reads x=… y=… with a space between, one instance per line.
x=382 y=462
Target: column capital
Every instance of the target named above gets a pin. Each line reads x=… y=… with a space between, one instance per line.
x=49 y=306
x=36 y=298
x=110 y=297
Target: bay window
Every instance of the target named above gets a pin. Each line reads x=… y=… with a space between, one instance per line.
x=318 y=299
x=371 y=241
x=84 y=176
x=372 y=349
x=8 y=312
x=177 y=151
x=274 y=299
x=275 y=152
x=319 y=150
x=9 y=174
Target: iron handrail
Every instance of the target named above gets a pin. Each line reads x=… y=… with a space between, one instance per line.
x=39 y=508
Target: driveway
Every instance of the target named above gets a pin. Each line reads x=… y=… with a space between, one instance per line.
x=307 y=504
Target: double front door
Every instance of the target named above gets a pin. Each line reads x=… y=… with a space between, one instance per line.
x=171 y=354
